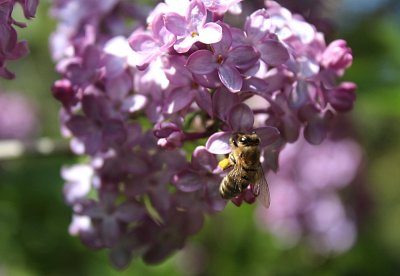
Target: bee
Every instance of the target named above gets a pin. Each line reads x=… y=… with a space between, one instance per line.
x=247 y=169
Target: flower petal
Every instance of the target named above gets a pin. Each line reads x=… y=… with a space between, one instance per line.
x=218 y=143
x=203 y=160
x=222 y=102
x=230 y=77
x=184 y=44
x=273 y=52
x=134 y=103
x=175 y=23
x=242 y=57
x=201 y=62
x=268 y=135
x=225 y=43
x=210 y=33
x=203 y=100
x=241 y=117
x=188 y=181
x=178 y=99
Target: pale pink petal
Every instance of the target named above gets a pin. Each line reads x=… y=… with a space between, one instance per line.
x=210 y=33
x=218 y=143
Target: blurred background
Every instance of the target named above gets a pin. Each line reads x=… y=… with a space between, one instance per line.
x=34 y=220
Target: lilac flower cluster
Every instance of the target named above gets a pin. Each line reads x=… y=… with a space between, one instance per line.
x=137 y=105
x=305 y=192
x=10 y=47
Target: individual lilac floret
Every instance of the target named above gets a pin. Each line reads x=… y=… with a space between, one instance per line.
x=100 y=128
x=202 y=179
x=192 y=28
x=257 y=32
x=222 y=6
x=227 y=61
x=10 y=47
x=337 y=57
x=169 y=135
x=148 y=45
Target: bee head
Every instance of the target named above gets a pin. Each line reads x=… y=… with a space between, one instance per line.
x=246 y=140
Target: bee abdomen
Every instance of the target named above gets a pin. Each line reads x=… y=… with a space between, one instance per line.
x=230 y=187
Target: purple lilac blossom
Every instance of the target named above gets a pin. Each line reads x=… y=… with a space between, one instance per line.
x=10 y=47
x=134 y=98
x=306 y=194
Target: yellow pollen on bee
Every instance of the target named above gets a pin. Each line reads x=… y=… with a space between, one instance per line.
x=224 y=163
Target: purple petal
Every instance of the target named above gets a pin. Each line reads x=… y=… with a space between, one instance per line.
x=210 y=33
x=91 y=58
x=134 y=103
x=275 y=82
x=241 y=117
x=257 y=25
x=110 y=230
x=218 y=143
x=142 y=42
x=230 y=77
x=203 y=160
x=178 y=99
x=80 y=126
x=175 y=23
x=343 y=96
x=222 y=102
x=130 y=211
x=160 y=198
x=299 y=96
x=118 y=87
x=222 y=47
x=30 y=7
x=120 y=257
x=255 y=85
x=201 y=62
x=268 y=135
x=114 y=65
x=113 y=132
x=243 y=57
x=203 y=100
x=273 y=52
x=196 y=13
x=208 y=80
x=238 y=37
x=188 y=181
x=315 y=132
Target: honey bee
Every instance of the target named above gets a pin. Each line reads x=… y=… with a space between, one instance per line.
x=247 y=169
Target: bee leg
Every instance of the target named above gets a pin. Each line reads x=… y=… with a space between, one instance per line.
x=232 y=158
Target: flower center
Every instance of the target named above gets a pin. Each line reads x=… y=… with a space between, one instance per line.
x=220 y=59
x=194 y=85
x=194 y=34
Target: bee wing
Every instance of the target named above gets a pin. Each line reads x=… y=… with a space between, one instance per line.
x=261 y=188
